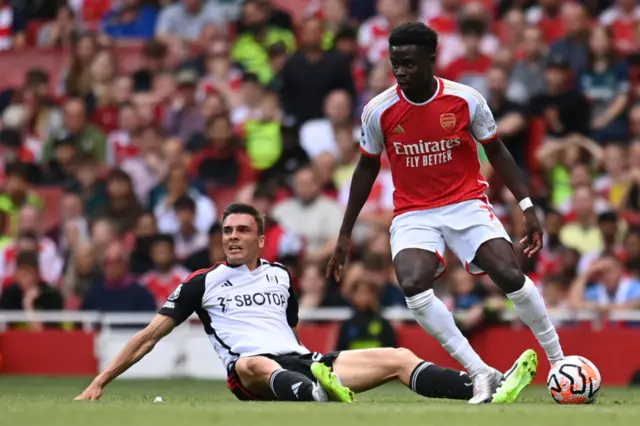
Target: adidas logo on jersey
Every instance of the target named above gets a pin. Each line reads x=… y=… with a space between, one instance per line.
x=227 y=284
x=398 y=129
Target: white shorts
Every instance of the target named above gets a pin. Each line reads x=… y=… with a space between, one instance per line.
x=462 y=227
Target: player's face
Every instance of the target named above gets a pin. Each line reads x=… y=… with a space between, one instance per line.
x=412 y=67
x=240 y=239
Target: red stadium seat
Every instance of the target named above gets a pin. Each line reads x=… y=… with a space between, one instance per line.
x=49 y=60
x=94 y=10
x=33 y=28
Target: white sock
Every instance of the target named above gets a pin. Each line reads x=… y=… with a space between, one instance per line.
x=530 y=306
x=436 y=319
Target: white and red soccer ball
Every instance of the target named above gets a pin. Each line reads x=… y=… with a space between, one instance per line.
x=574 y=380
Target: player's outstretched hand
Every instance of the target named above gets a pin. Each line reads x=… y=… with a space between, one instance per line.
x=91 y=393
x=534 y=232
x=336 y=264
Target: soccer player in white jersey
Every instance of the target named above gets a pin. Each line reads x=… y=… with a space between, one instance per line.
x=250 y=315
x=429 y=128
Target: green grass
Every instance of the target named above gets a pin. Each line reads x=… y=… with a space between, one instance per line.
x=49 y=402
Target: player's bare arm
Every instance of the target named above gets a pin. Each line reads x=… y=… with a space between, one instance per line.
x=504 y=164
x=362 y=181
x=136 y=348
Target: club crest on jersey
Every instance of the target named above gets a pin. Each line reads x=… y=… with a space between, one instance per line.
x=447 y=121
x=175 y=294
x=272 y=279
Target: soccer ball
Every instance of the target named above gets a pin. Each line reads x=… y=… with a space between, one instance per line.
x=574 y=380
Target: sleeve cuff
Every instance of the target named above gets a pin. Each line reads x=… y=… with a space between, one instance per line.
x=368 y=154
x=488 y=140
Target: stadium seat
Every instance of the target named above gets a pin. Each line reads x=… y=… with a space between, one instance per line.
x=51 y=196
x=49 y=60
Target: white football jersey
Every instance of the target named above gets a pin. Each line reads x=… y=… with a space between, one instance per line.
x=243 y=312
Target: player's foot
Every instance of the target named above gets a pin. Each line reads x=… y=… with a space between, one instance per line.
x=517 y=378
x=330 y=383
x=485 y=385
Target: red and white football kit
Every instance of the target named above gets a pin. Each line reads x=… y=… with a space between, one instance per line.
x=439 y=192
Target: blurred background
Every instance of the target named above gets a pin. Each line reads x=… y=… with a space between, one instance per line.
x=127 y=126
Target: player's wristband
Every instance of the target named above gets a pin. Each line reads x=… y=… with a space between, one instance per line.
x=525 y=203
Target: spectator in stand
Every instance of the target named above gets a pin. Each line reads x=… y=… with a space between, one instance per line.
x=73 y=227
x=118 y=291
x=613 y=184
x=145 y=233
x=166 y=274
x=367 y=328
x=184 y=20
x=263 y=134
x=121 y=143
x=188 y=239
x=605 y=83
x=622 y=19
x=311 y=74
x=61 y=31
x=17 y=193
x=76 y=80
x=13 y=151
x=28 y=292
x=121 y=206
x=467 y=300
x=81 y=272
x=220 y=75
x=610 y=289
x=154 y=54
x=29 y=236
x=281 y=244
x=631 y=246
x=379 y=80
x=148 y=168
x=315 y=292
x=42 y=116
x=375 y=267
x=13 y=27
x=104 y=231
x=547 y=15
x=251 y=49
x=35 y=79
x=374 y=32
x=472 y=66
x=349 y=153
x=608 y=223
x=132 y=19
x=250 y=100
x=574 y=46
x=510 y=118
x=334 y=15
x=527 y=76
x=177 y=185
x=583 y=234
x=563 y=109
x=211 y=255
x=89 y=138
x=634 y=119
x=549 y=258
x=315 y=217
x=318 y=136
x=100 y=100
x=184 y=118
x=88 y=184
x=222 y=162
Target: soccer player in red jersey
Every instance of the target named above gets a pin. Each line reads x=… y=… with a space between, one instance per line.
x=429 y=128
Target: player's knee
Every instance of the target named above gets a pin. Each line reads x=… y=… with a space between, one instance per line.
x=416 y=285
x=404 y=356
x=255 y=367
x=511 y=279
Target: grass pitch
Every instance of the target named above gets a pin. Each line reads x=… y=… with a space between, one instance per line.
x=49 y=402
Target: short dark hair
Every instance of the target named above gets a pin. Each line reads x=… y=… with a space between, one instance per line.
x=28 y=235
x=163 y=239
x=414 y=33
x=346 y=32
x=251 y=78
x=10 y=137
x=472 y=27
x=185 y=203
x=17 y=169
x=241 y=208
x=28 y=259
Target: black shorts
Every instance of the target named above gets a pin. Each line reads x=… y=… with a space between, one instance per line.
x=293 y=362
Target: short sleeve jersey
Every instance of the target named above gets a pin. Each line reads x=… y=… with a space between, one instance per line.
x=243 y=312
x=431 y=146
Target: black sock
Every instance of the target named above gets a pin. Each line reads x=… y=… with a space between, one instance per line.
x=433 y=381
x=291 y=386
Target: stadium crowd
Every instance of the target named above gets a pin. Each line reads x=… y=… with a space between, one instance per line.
x=117 y=163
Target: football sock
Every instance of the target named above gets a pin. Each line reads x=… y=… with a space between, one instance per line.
x=433 y=381
x=436 y=319
x=291 y=386
x=532 y=311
